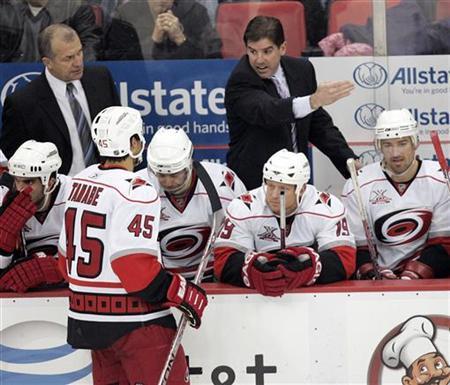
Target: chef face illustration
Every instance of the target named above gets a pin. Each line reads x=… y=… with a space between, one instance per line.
x=413 y=348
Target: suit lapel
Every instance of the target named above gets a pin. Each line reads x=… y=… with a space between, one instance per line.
x=294 y=78
x=89 y=86
x=47 y=101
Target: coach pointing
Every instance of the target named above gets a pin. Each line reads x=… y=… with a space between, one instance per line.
x=273 y=102
x=58 y=105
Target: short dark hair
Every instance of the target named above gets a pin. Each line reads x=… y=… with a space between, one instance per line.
x=47 y=35
x=261 y=27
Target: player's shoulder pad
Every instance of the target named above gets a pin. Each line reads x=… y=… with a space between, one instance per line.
x=432 y=168
x=244 y=205
x=141 y=189
x=326 y=203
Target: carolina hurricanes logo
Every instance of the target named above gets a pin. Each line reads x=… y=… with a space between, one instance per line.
x=379 y=197
x=163 y=215
x=269 y=234
x=403 y=226
x=182 y=243
x=137 y=182
x=228 y=179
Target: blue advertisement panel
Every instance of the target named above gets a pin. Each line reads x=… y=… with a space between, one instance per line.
x=186 y=94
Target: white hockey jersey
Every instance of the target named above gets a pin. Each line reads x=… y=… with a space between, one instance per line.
x=109 y=214
x=251 y=225
x=41 y=231
x=402 y=223
x=184 y=231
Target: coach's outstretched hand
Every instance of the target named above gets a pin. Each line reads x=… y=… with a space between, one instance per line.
x=330 y=92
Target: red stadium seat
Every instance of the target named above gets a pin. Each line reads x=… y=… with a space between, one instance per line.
x=442 y=9
x=232 y=18
x=343 y=12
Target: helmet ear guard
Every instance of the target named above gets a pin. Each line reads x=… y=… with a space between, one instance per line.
x=169 y=151
x=393 y=124
x=113 y=128
x=35 y=160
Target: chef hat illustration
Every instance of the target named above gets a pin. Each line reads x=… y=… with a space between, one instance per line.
x=413 y=341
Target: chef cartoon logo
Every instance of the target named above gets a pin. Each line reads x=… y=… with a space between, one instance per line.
x=414 y=353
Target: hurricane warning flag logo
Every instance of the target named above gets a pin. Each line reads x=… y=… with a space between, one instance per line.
x=15 y=83
x=370 y=75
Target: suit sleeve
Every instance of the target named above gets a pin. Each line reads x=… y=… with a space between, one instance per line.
x=13 y=131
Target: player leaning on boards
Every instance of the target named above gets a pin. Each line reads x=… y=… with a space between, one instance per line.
x=184 y=187
x=31 y=215
x=407 y=204
x=318 y=245
x=120 y=294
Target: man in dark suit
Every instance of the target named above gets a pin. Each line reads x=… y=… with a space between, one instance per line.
x=60 y=104
x=273 y=102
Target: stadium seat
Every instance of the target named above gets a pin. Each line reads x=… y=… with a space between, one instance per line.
x=442 y=9
x=343 y=12
x=232 y=18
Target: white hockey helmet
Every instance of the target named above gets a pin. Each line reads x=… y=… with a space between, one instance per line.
x=113 y=128
x=287 y=167
x=395 y=124
x=169 y=151
x=35 y=160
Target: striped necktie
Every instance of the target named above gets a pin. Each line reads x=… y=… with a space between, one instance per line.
x=283 y=91
x=83 y=129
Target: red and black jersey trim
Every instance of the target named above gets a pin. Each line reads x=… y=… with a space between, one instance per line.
x=101 y=335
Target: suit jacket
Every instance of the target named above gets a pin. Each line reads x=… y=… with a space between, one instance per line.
x=260 y=122
x=32 y=112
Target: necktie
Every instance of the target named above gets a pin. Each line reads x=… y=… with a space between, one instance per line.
x=283 y=91
x=83 y=128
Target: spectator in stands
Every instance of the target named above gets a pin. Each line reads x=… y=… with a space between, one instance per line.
x=273 y=102
x=316 y=245
x=31 y=217
x=172 y=29
x=21 y=23
x=58 y=105
x=407 y=202
x=410 y=30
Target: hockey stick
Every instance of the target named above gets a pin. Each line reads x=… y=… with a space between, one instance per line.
x=440 y=156
x=216 y=221
x=363 y=214
x=282 y=219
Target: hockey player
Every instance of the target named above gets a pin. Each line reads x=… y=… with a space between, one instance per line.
x=407 y=205
x=319 y=247
x=31 y=217
x=186 y=214
x=120 y=295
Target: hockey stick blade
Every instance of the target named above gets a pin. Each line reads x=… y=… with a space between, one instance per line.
x=440 y=155
x=363 y=214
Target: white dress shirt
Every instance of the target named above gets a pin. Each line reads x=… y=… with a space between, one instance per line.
x=59 y=88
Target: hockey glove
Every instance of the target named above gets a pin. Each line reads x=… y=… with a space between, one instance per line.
x=14 y=213
x=31 y=272
x=367 y=271
x=189 y=298
x=302 y=266
x=417 y=270
x=260 y=273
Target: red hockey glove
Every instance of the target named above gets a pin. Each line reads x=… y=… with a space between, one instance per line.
x=260 y=273
x=417 y=270
x=302 y=266
x=31 y=272
x=14 y=213
x=189 y=298
x=367 y=271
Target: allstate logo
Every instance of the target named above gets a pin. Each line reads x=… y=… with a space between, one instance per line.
x=370 y=75
x=370 y=156
x=366 y=115
x=36 y=352
x=16 y=82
